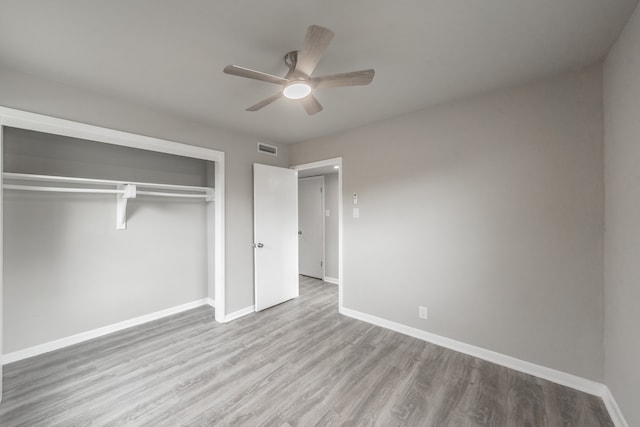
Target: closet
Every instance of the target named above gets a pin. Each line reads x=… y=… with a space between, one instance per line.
x=99 y=231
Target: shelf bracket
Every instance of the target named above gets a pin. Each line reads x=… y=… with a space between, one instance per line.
x=127 y=191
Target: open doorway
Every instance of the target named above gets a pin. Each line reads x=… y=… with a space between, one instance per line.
x=320 y=222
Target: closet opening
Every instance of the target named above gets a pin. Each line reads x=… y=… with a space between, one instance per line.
x=320 y=224
x=103 y=230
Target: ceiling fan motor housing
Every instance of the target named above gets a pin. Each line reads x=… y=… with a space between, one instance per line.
x=291 y=60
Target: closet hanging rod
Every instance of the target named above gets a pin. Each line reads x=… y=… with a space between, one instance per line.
x=93 y=181
x=61 y=189
x=124 y=190
x=156 y=193
x=99 y=191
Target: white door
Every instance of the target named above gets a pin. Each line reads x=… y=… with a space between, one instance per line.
x=311 y=226
x=275 y=222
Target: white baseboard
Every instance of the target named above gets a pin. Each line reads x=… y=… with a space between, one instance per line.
x=95 y=333
x=238 y=314
x=614 y=410
x=558 y=377
x=330 y=280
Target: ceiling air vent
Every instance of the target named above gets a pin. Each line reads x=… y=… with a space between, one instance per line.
x=267 y=149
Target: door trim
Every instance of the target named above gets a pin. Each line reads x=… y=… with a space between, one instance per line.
x=336 y=161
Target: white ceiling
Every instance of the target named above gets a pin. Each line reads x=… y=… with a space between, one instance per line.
x=169 y=54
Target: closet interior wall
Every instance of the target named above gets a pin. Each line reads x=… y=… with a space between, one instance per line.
x=67 y=269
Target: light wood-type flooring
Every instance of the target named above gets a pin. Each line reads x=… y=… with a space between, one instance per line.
x=296 y=364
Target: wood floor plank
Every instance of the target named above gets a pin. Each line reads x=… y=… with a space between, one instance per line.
x=485 y=403
x=296 y=364
x=525 y=402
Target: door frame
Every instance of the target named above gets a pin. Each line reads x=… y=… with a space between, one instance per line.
x=321 y=177
x=216 y=281
x=336 y=161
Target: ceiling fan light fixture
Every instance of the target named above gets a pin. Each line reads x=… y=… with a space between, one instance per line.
x=296 y=90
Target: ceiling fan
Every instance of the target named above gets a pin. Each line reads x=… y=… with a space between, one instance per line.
x=298 y=83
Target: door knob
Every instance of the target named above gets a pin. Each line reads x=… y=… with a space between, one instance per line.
x=300 y=233
x=258 y=245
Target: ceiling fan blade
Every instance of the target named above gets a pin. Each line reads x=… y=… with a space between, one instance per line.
x=311 y=104
x=234 y=70
x=354 y=78
x=265 y=102
x=315 y=43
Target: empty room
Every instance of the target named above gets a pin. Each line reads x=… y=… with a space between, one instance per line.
x=319 y=213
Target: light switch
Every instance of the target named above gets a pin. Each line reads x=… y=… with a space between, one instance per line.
x=356 y=212
x=327 y=213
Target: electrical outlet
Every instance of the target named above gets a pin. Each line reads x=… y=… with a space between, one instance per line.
x=423 y=313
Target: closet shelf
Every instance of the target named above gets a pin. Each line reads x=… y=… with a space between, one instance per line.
x=124 y=190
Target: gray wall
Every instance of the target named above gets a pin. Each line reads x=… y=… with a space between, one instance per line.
x=331 y=225
x=67 y=269
x=46 y=154
x=489 y=212
x=622 y=219
x=28 y=93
